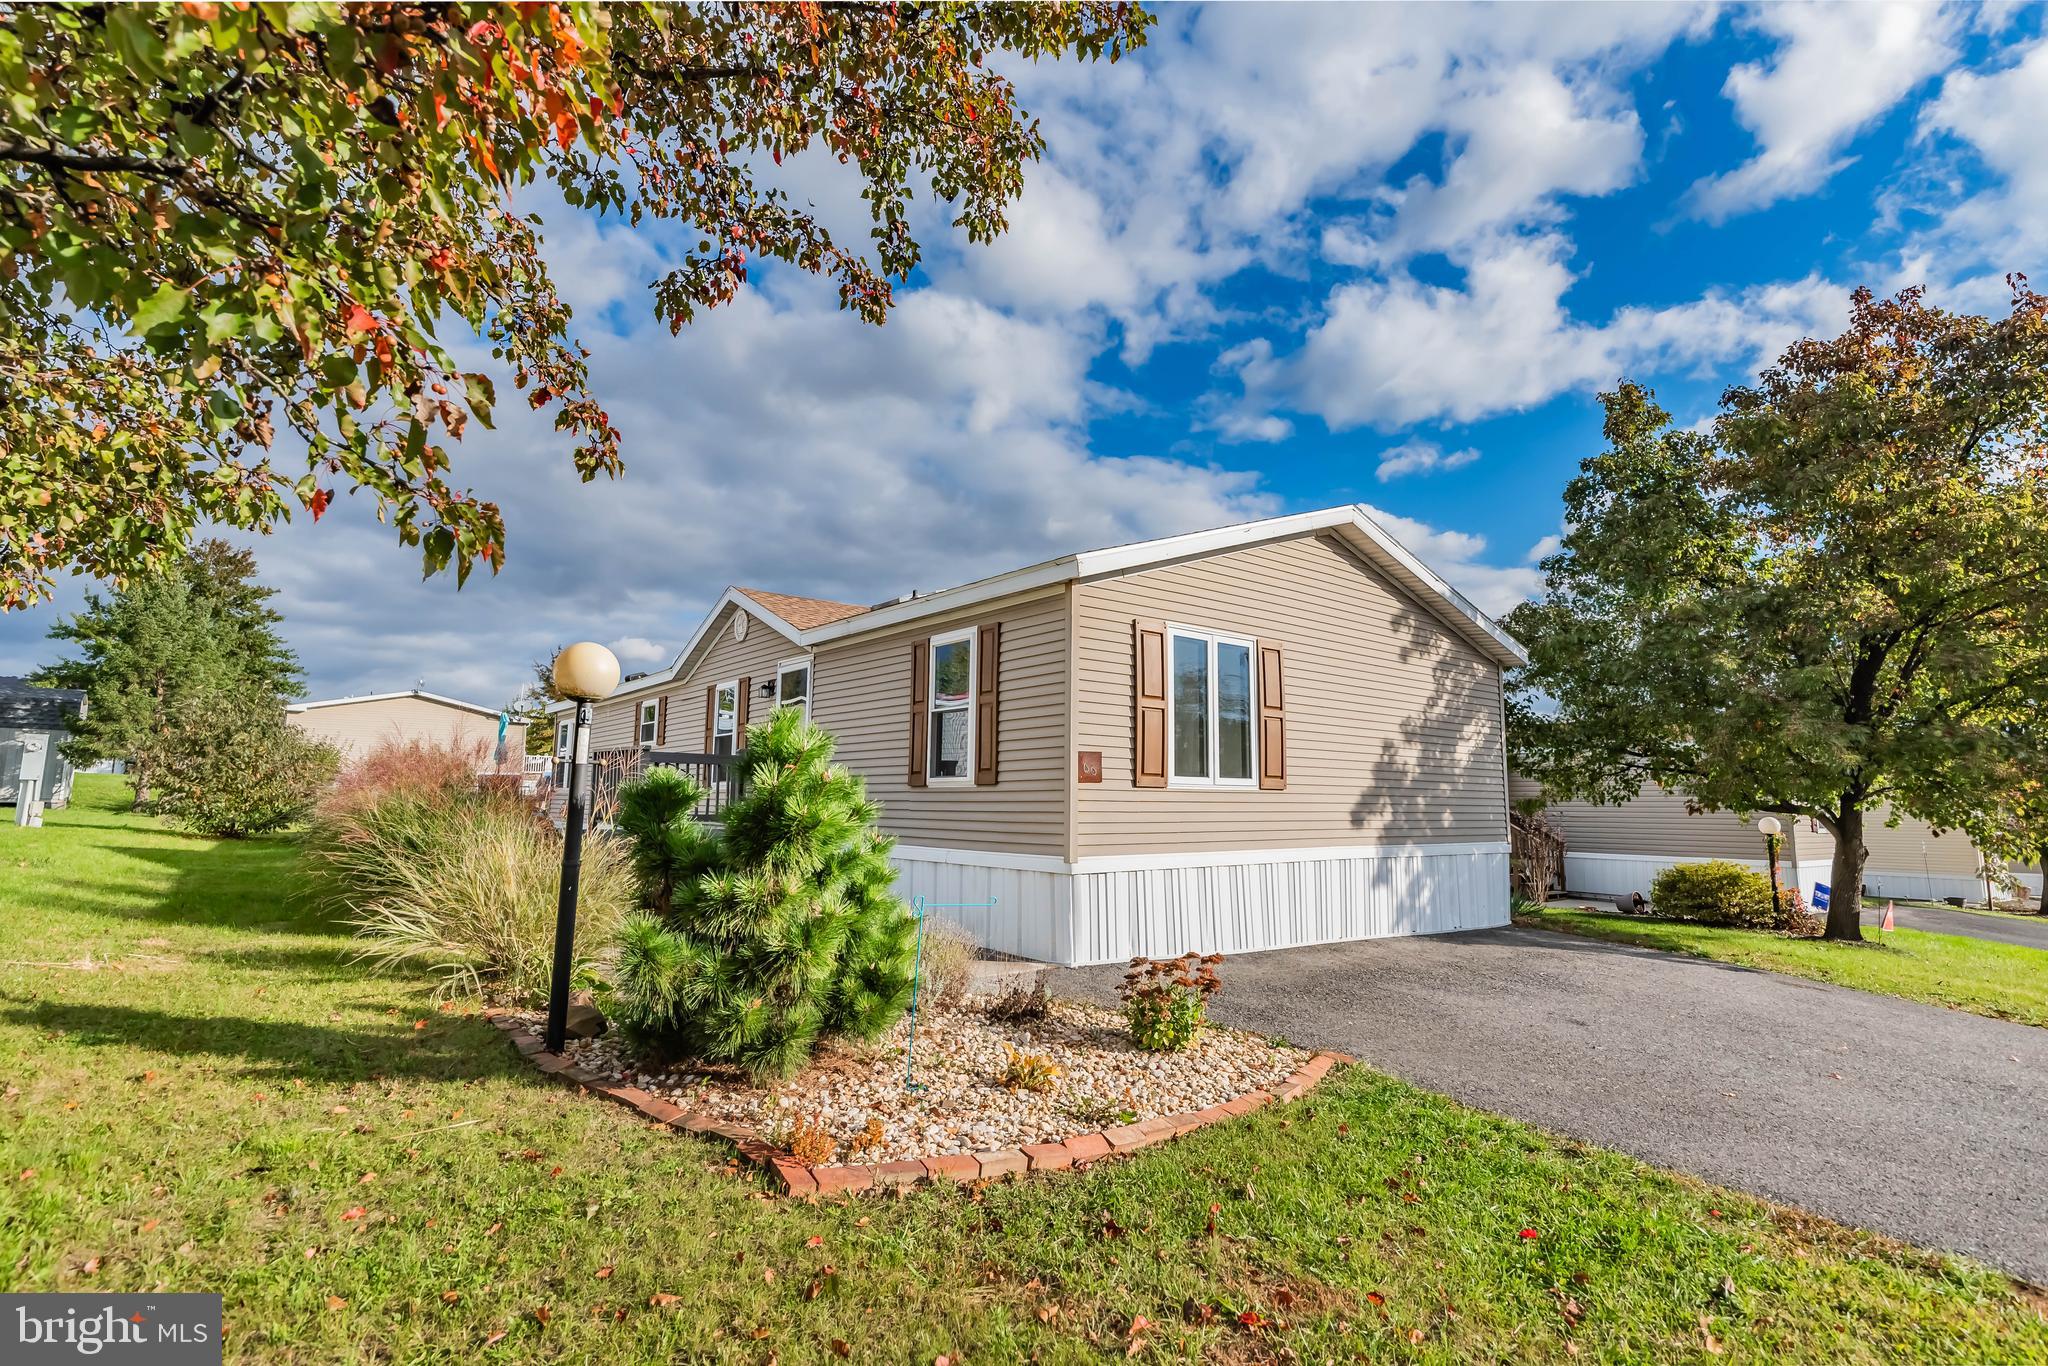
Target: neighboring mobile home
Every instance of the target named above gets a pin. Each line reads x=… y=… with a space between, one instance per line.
x=1284 y=732
x=354 y=725
x=1615 y=850
x=33 y=723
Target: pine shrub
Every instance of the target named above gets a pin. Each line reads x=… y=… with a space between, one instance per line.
x=754 y=943
x=230 y=765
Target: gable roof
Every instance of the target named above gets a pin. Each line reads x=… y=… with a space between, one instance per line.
x=1351 y=523
x=803 y=613
x=423 y=696
x=25 y=706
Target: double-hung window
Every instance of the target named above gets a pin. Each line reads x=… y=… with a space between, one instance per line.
x=1211 y=726
x=951 y=755
x=793 y=685
x=565 y=731
x=725 y=716
x=650 y=717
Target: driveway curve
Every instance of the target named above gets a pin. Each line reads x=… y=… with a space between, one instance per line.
x=2000 y=929
x=1919 y=1122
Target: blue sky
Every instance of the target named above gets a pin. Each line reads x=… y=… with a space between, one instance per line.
x=1284 y=257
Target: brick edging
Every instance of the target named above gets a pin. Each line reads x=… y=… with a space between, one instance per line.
x=798 y=1179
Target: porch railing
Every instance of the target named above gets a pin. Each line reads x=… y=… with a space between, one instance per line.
x=722 y=776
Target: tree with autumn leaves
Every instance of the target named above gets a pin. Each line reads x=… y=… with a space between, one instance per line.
x=1832 y=604
x=239 y=243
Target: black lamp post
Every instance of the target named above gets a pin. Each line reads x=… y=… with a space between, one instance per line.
x=1770 y=827
x=584 y=673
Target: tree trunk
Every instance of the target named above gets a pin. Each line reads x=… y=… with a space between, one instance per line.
x=1845 y=878
x=140 y=774
x=2041 y=862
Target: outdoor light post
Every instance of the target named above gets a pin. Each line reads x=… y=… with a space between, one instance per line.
x=1770 y=827
x=584 y=673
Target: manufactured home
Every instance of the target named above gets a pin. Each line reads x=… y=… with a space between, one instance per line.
x=356 y=725
x=1284 y=732
x=1615 y=850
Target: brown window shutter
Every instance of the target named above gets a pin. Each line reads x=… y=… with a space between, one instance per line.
x=1272 y=719
x=710 y=715
x=1148 y=733
x=661 y=721
x=739 y=715
x=920 y=706
x=988 y=646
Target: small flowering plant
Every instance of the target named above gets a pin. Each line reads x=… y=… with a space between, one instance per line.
x=1166 y=1000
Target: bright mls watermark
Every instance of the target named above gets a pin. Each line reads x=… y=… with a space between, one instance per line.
x=165 y=1330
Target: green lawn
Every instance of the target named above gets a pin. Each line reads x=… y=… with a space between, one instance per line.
x=2004 y=981
x=221 y=1102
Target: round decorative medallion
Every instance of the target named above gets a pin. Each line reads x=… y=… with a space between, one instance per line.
x=739 y=625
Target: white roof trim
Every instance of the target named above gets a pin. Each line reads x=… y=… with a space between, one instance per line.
x=409 y=693
x=731 y=597
x=1371 y=540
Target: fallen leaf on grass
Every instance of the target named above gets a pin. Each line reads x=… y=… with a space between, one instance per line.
x=492 y=1229
x=543 y=1314
x=353 y=1212
x=604 y=1273
x=1527 y=1233
x=148 y=1224
x=494 y=1339
x=840 y=1348
x=419 y=1024
x=814 y=1241
x=662 y=1299
x=336 y=1302
x=1713 y=1344
x=366 y=1178
x=450 y=1296
x=91 y=1267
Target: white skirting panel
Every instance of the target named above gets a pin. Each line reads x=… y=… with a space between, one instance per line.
x=1030 y=904
x=1107 y=909
x=1616 y=874
x=1933 y=887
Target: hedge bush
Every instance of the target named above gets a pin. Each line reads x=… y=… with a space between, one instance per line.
x=230 y=765
x=1723 y=893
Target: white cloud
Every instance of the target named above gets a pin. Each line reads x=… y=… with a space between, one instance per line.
x=1543 y=549
x=1459 y=557
x=1398 y=351
x=1416 y=456
x=2000 y=114
x=641 y=650
x=1837 y=68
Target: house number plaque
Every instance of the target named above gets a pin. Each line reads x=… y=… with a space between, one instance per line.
x=1091 y=765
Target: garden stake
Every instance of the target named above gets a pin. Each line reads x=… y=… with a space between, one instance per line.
x=918 y=907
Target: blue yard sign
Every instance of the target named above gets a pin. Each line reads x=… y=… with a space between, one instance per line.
x=1820 y=896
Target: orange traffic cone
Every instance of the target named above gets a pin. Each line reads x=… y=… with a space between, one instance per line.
x=1888 y=918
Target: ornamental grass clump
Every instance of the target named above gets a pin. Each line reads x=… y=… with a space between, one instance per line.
x=430 y=872
x=1166 y=1000
x=754 y=943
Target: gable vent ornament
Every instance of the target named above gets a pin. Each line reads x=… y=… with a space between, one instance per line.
x=739 y=625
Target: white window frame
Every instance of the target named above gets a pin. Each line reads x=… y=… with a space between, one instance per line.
x=971 y=636
x=718 y=711
x=1212 y=639
x=565 y=737
x=810 y=681
x=647 y=729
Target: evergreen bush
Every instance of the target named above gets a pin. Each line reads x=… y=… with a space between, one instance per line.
x=755 y=942
x=230 y=765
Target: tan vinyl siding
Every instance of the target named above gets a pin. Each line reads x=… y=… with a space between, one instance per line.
x=357 y=727
x=1655 y=824
x=1914 y=848
x=1393 y=722
x=721 y=659
x=862 y=695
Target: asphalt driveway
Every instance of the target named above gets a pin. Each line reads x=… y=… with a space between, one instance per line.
x=2003 y=929
x=1919 y=1122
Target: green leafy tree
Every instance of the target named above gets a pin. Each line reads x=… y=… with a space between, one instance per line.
x=755 y=943
x=223 y=223
x=229 y=764
x=203 y=628
x=1836 y=601
x=531 y=705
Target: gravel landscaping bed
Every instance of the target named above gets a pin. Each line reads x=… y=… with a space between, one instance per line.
x=857 y=1094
